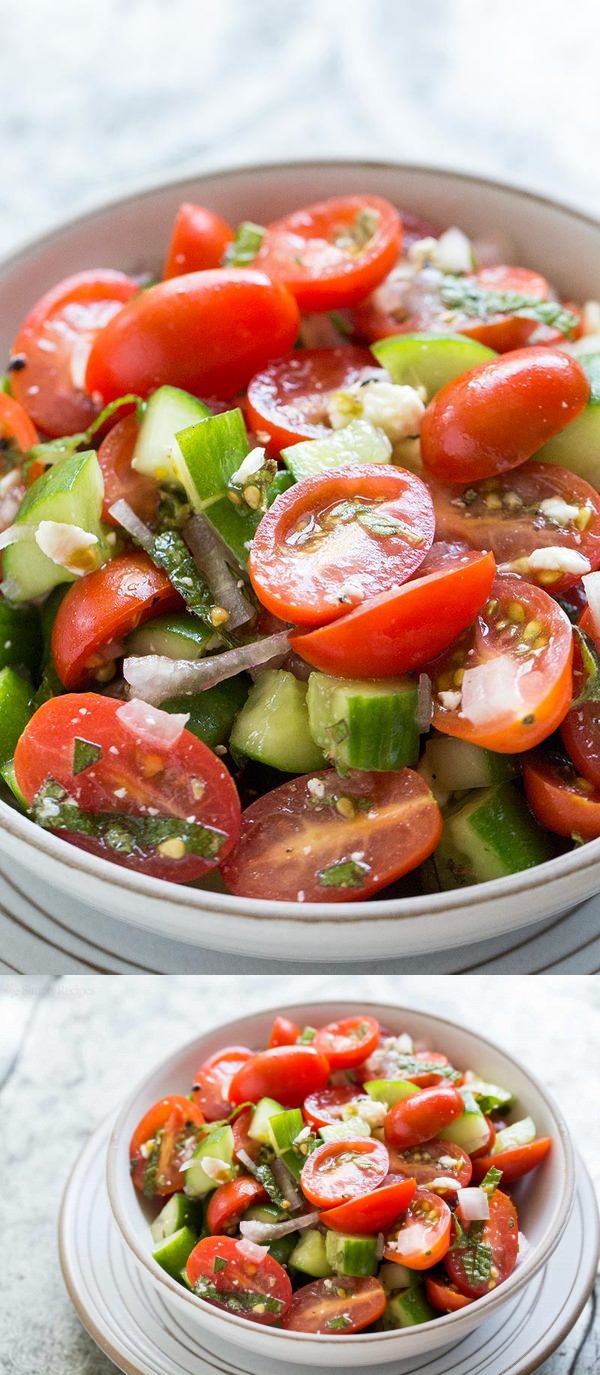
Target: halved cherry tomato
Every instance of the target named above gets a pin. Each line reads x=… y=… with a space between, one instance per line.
x=443 y=1295
x=241 y=1140
x=372 y=1212
x=297 y=846
x=198 y=240
x=432 y=1160
x=562 y=800
x=401 y=630
x=496 y=327
x=283 y=1033
x=427 y=1079
x=483 y=1150
x=16 y=428
x=423 y=1236
x=514 y=1164
x=55 y=339
x=103 y=607
x=121 y=481
x=228 y=1203
x=422 y=1116
x=520 y=647
x=506 y=514
x=336 y=1306
x=384 y=310
x=288 y=400
x=222 y=1273
x=333 y=253
x=348 y=1042
x=207 y=332
x=285 y=1073
x=497 y=415
x=212 y=1082
x=343 y=1170
x=334 y=540
x=131 y=778
x=501 y=1235
x=168 y=1126
x=323 y=1108
x=580 y=729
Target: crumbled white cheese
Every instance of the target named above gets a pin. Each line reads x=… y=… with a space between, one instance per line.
x=219 y=1170
x=252 y=464
x=559 y=560
x=302 y=1135
x=591 y=318
x=383 y=1063
x=368 y=1109
x=554 y=508
x=395 y=410
x=316 y=787
x=66 y=545
x=422 y=251
x=451 y=700
x=452 y=252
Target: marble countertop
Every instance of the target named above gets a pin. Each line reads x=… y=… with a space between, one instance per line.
x=70 y=1049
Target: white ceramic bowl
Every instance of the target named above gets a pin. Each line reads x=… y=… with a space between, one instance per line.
x=132 y=233
x=544 y=1200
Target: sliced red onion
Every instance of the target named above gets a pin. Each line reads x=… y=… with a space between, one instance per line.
x=424 y=703
x=148 y=723
x=14 y=534
x=154 y=677
x=209 y=554
x=591 y=583
x=300 y=669
x=287 y=1184
x=270 y=1231
x=251 y=1251
x=122 y=512
x=444 y=1185
x=247 y=1161
x=474 y=1205
x=380 y=1251
x=524 y=1249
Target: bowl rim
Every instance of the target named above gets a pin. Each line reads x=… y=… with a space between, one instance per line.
x=111 y=875
x=535 y=1259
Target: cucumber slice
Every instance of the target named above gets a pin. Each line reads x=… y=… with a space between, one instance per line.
x=178 y=1212
x=577 y=447
x=364 y=724
x=351 y=1255
x=70 y=492
x=156 y=452
x=15 y=711
x=282 y=1248
x=470 y=1130
x=172 y=1253
x=389 y=1091
x=273 y=726
x=218 y=1145
x=395 y=1276
x=259 y=1126
x=184 y=1279
x=310 y=1256
x=8 y=776
x=489 y=835
x=177 y=637
x=458 y=766
x=429 y=359
x=494 y=1095
x=283 y=1128
x=407 y=1309
x=20 y=638
x=345 y=1131
x=265 y=1212
x=518 y=1134
x=212 y=712
x=358 y=442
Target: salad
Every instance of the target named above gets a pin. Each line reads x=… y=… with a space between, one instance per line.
x=301 y=560
x=343 y=1179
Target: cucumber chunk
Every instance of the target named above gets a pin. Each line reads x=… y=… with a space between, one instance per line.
x=364 y=724
x=156 y=452
x=259 y=1126
x=177 y=637
x=273 y=726
x=394 y=1276
x=517 y=1134
x=8 y=776
x=345 y=1131
x=265 y=1212
x=389 y=1091
x=577 y=447
x=184 y=1279
x=351 y=1255
x=212 y=712
x=218 y=1145
x=282 y=1248
x=283 y=1128
x=70 y=492
x=494 y=1095
x=20 y=638
x=407 y=1309
x=358 y=442
x=458 y=766
x=178 y=1212
x=429 y=359
x=172 y=1253
x=310 y=1255
x=15 y=711
x=470 y=1130
x=489 y=835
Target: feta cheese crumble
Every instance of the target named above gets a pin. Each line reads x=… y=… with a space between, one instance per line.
x=395 y=410
x=67 y=545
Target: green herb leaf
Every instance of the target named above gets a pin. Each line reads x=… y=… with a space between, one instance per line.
x=149 y=1186
x=254 y=490
x=476 y=1255
x=344 y=873
x=170 y=552
x=467 y=297
x=84 y=755
x=237 y=1300
x=55 y=449
x=126 y=834
x=245 y=246
x=338 y=1324
x=590 y=659
x=220 y=1264
x=307 y=1035
x=490 y=1181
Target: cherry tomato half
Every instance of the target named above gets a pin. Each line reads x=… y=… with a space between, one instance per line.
x=422 y=1116
x=348 y=1042
x=443 y=1295
x=333 y=253
x=334 y=540
x=287 y=401
x=283 y=1033
x=432 y=1160
x=343 y=1170
x=423 y=1236
x=497 y=415
x=55 y=339
x=166 y=1126
x=429 y=1077
x=285 y=1073
x=213 y=1081
x=562 y=800
x=372 y=1212
x=501 y=1235
x=121 y=481
x=260 y=1292
x=207 y=332
x=131 y=778
x=298 y=846
x=198 y=240
x=580 y=729
x=514 y=1164
x=323 y=1108
x=16 y=428
x=402 y=630
x=228 y=1203
x=336 y=1306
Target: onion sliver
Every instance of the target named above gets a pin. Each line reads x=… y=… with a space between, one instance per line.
x=154 y=677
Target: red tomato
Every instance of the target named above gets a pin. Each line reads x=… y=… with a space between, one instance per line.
x=121 y=481
x=401 y=630
x=334 y=253
x=497 y=328
x=521 y=648
x=213 y=1081
x=334 y=540
x=495 y=416
x=423 y=1236
x=258 y=1291
x=424 y=1163
x=207 y=332
x=514 y=1164
x=580 y=729
x=501 y=1234
x=130 y=778
x=283 y=1033
x=15 y=426
x=426 y=1080
x=372 y=1212
x=349 y=1042
x=296 y=847
x=285 y=1073
x=288 y=400
x=443 y=1295
x=505 y=514
x=229 y=1202
x=55 y=339
x=413 y=303
x=241 y=1140
x=103 y=607
x=335 y=1306
x=198 y=240
x=422 y=1116
x=166 y=1125
x=561 y=799
x=343 y=1170
x=324 y=1108
x=382 y=312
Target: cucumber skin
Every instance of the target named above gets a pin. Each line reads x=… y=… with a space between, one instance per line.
x=21 y=643
x=178 y=408
x=407 y=1309
x=213 y=712
x=362 y=724
x=351 y=1255
x=273 y=726
x=490 y=835
x=172 y=1253
x=15 y=711
x=219 y=1143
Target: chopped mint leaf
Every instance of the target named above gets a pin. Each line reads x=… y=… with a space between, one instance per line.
x=467 y=297
x=490 y=1181
x=84 y=755
x=55 y=449
x=590 y=658
x=237 y=1300
x=220 y=1264
x=307 y=1035
x=373 y=519
x=171 y=553
x=338 y=1324
x=476 y=1255
x=149 y=1186
x=123 y=833
x=245 y=246
x=344 y=873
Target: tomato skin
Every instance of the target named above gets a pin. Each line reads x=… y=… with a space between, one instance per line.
x=161 y=338
x=287 y=400
x=399 y=631
x=283 y=1033
x=372 y=1212
x=422 y=1116
x=227 y=1204
x=483 y=1150
x=317 y=1307
x=514 y=1164
x=198 y=240
x=323 y=1108
x=579 y=730
x=559 y=800
x=213 y=1080
x=285 y=1073
x=330 y=1176
x=348 y=1042
x=121 y=481
x=422 y=1163
x=104 y=606
x=154 y=1120
x=65 y=319
x=15 y=424
x=423 y=1237
x=505 y=333
x=302 y=250
x=498 y=414
x=349 y=563
x=501 y=1234
x=241 y=1140
x=442 y=1296
x=239 y=1275
x=427 y=1080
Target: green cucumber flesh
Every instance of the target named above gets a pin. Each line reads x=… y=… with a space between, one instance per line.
x=489 y=835
x=345 y=1131
x=273 y=725
x=517 y=1134
x=390 y=1091
x=219 y=1146
x=358 y=442
x=577 y=447
x=177 y=637
x=179 y=1211
x=212 y=712
x=20 y=637
x=173 y=1251
x=281 y=1249
x=470 y=1130
x=283 y=1128
x=265 y=1212
x=429 y=360
x=310 y=1256
x=494 y=1093
x=15 y=711
x=156 y=452
x=364 y=724
x=394 y=1276
x=70 y=492
x=259 y=1126
x=458 y=766
x=407 y=1309
x=184 y=1279
x=8 y=776
x=351 y=1255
